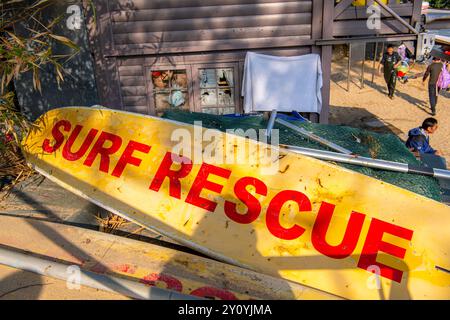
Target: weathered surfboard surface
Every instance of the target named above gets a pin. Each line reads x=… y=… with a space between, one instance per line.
x=312 y=222
x=151 y=264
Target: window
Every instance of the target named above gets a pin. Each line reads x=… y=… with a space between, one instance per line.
x=170 y=89
x=217 y=90
x=209 y=88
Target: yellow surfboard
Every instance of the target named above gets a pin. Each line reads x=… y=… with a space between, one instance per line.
x=247 y=203
x=147 y=263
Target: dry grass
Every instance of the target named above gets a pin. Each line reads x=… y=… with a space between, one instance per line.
x=13 y=167
x=111 y=223
x=20 y=54
x=373 y=145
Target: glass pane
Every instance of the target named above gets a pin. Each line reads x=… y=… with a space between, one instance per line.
x=208 y=97
x=179 y=79
x=225 y=77
x=161 y=79
x=178 y=99
x=162 y=101
x=226 y=97
x=174 y=99
x=207 y=78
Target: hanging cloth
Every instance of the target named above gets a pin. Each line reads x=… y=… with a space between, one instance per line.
x=285 y=84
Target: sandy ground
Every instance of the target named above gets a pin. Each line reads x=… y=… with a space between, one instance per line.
x=370 y=108
x=23 y=285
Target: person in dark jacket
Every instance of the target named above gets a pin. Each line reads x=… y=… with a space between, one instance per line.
x=433 y=71
x=390 y=61
x=419 y=138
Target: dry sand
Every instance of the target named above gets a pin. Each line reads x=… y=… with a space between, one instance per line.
x=370 y=108
x=23 y=285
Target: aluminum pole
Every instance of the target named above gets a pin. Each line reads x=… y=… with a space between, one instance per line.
x=314 y=137
x=369 y=162
x=374 y=66
x=104 y=282
x=349 y=65
x=270 y=124
x=363 y=67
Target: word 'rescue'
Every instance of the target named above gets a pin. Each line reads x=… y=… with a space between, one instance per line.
x=173 y=168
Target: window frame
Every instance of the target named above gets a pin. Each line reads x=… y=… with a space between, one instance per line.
x=216 y=65
x=192 y=74
x=163 y=67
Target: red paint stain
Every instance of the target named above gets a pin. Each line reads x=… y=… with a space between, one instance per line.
x=171 y=282
x=211 y=292
x=126 y=268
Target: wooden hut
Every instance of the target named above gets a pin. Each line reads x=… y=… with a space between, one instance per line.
x=145 y=50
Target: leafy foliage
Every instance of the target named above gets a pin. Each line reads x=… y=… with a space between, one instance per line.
x=26 y=45
x=440 y=4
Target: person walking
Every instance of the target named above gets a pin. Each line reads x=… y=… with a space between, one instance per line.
x=390 y=61
x=433 y=72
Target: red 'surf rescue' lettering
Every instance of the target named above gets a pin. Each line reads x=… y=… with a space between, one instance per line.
x=104 y=152
x=73 y=156
x=351 y=234
x=128 y=158
x=274 y=209
x=173 y=168
x=174 y=176
x=114 y=141
x=253 y=205
x=374 y=244
x=57 y=135
x=201 y=182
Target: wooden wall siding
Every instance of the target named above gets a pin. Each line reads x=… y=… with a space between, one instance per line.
x=129 y=5
x=133 y=80
x=171 y=26
x=132 y=36
x=133 y=89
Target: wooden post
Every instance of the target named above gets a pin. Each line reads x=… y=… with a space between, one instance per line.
x=349 y=65
x=417 y=13
x=374 y=61
x=316 y=34
x=327 y=51
x=363 y=67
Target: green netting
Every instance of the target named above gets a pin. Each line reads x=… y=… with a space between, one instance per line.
x=375 y=145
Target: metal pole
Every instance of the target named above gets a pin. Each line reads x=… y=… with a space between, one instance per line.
x=270 y=124
x=362 y=67
x=374 y=61
x=369 y=162
x=314 y=137
x=349 y=65
x=104 y=282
